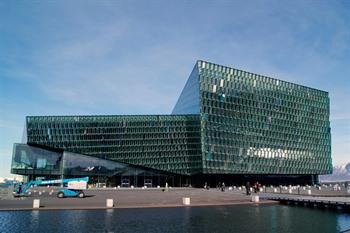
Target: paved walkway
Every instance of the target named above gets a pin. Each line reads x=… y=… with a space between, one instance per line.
x=132 y=198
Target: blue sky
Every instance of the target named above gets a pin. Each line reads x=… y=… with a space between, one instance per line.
x=134 y=57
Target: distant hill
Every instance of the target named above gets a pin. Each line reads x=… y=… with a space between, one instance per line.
x=340 y=173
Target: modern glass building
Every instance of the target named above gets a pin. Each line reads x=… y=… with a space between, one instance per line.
x=227 y=125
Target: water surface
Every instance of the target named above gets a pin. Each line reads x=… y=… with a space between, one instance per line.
x=264 y=218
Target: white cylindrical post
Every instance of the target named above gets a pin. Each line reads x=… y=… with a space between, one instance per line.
x=275 y=190
x=289 y=190
x=230 y=188
x=186 y=201
x=109 y=203
x=309 y=192
x=255 y=198
x=36 y=203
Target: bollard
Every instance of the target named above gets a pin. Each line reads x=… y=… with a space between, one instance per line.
x=109 y=203
x=255 y=198
x=309 y=192
x=230 y=188
x=239 y=188
x=158 y=187
x=118 y=186
x=132 y=186
x=261 y=189
x=36 y=203
x=289 y=190
x=186 y=201
x=275 y=190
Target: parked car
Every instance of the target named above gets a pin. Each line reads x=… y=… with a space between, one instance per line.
x=148 y=183
x=125 y=183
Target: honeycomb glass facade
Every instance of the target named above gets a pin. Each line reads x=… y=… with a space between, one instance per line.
x=226 y=123
x=253 y=124
x=165 y=142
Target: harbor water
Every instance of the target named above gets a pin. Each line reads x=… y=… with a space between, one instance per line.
x=240 y=218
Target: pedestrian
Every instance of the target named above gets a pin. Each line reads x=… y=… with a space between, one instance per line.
x=223 y=187
x=247 y=187
x=19 y=188
x=256 y=187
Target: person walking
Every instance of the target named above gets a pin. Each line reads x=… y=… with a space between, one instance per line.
x=255 y=187
x=218 y=186
x=223 y=187
x=247 y=187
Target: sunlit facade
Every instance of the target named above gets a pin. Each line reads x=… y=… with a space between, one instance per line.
x=227 y=125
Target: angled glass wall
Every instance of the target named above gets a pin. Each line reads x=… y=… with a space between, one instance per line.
x=110 y=172
x=253 y=124
x=188 y=102
x=28 y=160
x=45 y=164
